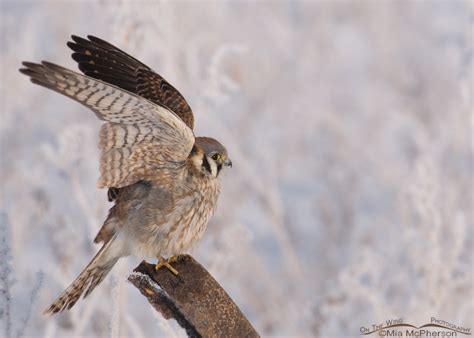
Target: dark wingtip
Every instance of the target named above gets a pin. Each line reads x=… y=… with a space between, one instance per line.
x=76 y=38
x=54 y=66
x=37 y=82
x=77 y=56
x=71 y=45
x=26 y=71
x=31 y=69
x=99 y=42
x=29 y=64
x=49 y=64
x=95 y=39
x=80 y=41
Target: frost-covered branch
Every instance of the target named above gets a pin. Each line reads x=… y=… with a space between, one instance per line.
x=6 y=280
x=32 y=299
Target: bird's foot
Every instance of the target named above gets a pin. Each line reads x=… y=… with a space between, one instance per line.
x=163 y=262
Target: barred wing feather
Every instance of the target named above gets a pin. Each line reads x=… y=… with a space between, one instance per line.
x=139 y=136
x=103 y=61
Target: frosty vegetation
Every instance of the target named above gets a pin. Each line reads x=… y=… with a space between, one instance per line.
x=349 y=124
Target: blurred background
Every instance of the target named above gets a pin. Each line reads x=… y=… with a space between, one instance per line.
x=349 y=124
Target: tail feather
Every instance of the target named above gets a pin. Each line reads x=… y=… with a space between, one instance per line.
x=90 y=277
x=108 y=228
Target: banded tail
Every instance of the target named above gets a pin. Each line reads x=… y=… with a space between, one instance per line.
x=90 y=277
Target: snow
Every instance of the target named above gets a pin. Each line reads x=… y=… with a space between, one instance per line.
x=349 y=125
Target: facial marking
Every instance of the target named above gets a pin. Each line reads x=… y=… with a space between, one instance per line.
x=213 y=167
x=206 y=164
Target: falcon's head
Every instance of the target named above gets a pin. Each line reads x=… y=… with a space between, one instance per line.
x=210 y=156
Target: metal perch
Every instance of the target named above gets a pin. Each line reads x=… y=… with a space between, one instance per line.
x=194 y=298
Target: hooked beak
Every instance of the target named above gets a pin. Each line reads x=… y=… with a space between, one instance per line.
x=228 y=163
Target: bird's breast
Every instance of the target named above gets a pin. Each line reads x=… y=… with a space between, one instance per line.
x=182 y=225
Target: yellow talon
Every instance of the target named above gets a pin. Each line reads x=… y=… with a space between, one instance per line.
x=166 y=263
x=173 y=259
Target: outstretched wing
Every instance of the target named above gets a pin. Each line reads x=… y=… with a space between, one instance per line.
x=101 y=60
x=139 y=139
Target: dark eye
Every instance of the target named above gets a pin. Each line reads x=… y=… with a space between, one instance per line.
x=216 y=157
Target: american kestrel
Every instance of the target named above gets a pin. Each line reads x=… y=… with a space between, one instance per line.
x=163 y=180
